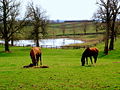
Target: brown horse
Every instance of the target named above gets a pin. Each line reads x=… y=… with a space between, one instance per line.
x=35 y=54
x=89 y=52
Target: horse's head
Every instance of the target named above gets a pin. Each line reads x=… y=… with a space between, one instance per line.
x=83 y=60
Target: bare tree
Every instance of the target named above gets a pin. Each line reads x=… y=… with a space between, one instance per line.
x=39 y=21
x=97 y=23
x=115 y=7
x=44 y=24
x=107 y=13
x=9 y=10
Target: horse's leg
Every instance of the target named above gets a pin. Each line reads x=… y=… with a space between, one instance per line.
x=33 y=59
x=91 y=59
x=95 y=58
x=37 y=59
x=40 y=58
x=83 y=62
x=87 y=60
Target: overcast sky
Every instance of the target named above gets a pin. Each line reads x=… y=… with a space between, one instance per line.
x=66 y=9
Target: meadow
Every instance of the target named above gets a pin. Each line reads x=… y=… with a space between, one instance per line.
x=64 y=73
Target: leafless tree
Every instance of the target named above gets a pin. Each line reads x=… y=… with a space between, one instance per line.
x=39 y=21
x=107 y=13
x=97 y=23
x=9 y=10
x=115 y=7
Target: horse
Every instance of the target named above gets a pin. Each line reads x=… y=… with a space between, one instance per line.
x=35 y=54
x=89 y=52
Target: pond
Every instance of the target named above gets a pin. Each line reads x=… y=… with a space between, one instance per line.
x=47 y=42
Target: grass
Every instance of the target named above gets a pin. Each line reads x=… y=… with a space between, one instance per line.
x=64 y=73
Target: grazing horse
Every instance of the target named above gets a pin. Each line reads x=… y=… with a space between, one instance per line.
x=89 y=52
x=35 y=54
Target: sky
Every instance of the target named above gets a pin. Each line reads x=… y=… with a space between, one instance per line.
x=66 y=9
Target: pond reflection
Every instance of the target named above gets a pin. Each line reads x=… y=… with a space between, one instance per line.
x=47 y=42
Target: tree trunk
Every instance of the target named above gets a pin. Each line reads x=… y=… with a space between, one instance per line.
x=6 y=45
x=12 y=42
x=37 y=37
x=85 y=30
x=107 y=29
x=37 y=42
x=111 y=47
x=107 y=38
x=5 y=27
x=106 y=46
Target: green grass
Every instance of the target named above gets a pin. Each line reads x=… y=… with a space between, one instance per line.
x=64 y=73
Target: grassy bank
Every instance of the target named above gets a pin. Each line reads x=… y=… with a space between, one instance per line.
x=64 y=73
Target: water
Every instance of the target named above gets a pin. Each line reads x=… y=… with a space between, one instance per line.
x=47 y=42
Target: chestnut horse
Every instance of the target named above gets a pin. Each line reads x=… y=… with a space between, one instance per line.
x=35 y=54
x=89 y=52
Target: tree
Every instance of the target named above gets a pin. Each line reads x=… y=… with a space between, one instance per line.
x=63 y=28
x=84 y=27
x=39 y=21
x=97 y=23
x=107 y=13
x=9 y=10
x=115 y=7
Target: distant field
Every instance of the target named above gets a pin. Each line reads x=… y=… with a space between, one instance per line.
x=64 y=73
x=56 y=29
x=71 y=28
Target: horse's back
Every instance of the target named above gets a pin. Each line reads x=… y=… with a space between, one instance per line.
x=35 y=50
x=90 y=52
x=94 y=50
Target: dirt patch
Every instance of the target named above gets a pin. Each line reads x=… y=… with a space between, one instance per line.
x=32 y=66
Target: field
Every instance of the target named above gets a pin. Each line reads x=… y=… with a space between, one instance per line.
x=64 y=73
x=66 y=28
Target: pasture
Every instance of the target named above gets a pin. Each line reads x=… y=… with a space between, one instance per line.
x=64 y=73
